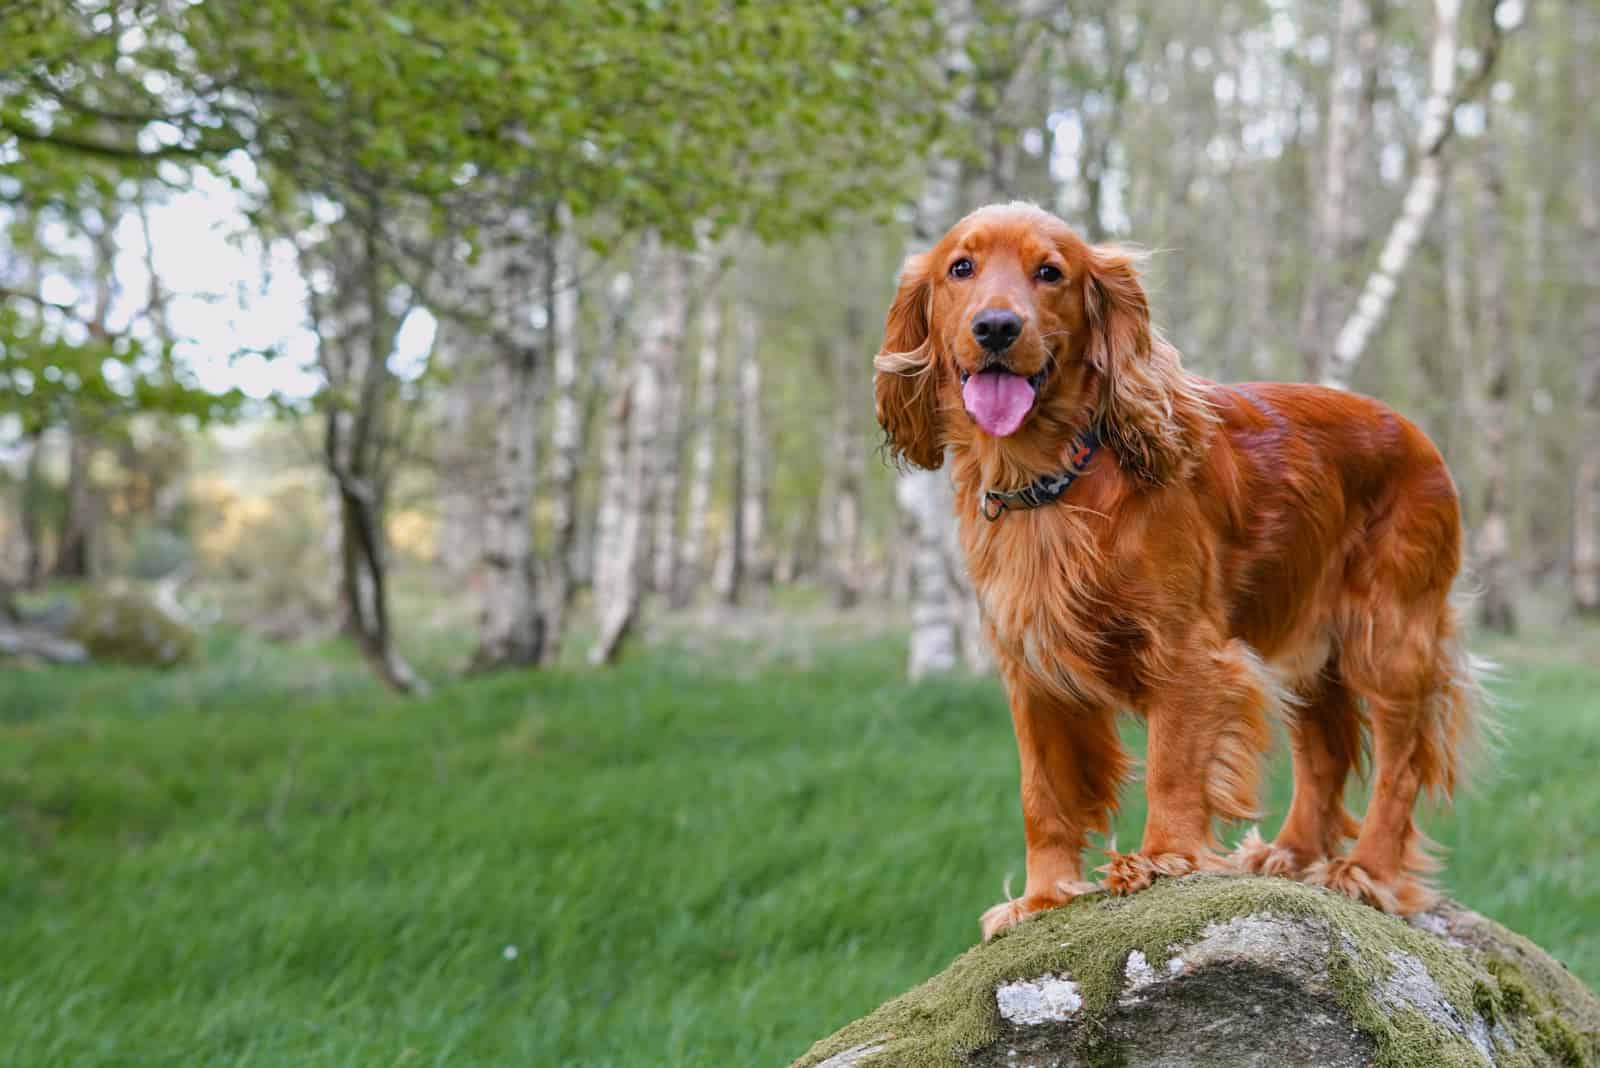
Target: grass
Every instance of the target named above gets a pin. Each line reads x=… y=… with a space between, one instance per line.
x=712 y=854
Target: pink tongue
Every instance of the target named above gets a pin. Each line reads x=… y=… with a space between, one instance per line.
x=998 y=400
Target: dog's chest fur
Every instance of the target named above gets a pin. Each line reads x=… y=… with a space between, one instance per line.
x=1045 y=587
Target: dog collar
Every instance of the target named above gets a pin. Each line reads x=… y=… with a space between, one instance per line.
x=1042 y=491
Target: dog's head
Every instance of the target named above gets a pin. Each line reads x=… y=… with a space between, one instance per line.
x=1013 y=328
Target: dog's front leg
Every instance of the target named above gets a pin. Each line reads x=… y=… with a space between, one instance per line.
x=1072 y=763
x=1208 y=730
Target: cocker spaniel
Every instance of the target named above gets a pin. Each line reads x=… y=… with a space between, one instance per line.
x=1209 y=557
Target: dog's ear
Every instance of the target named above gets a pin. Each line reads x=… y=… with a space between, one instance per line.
x=906 y=380
x=1151 y=413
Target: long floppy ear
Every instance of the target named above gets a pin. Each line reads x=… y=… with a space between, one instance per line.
x=906 y=385
x=1153 y=415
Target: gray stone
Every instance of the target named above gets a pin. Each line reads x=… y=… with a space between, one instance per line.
x=1220 y=971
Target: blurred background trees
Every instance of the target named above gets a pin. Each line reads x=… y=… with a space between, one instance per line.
x=582 y=297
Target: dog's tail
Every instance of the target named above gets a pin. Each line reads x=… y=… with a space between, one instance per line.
x=1460 y=728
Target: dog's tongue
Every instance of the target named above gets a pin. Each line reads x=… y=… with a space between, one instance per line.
x=998 y=400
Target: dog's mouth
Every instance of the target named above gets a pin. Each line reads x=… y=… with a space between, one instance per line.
x=999 y=400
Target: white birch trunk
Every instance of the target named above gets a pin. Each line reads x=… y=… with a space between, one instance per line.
x=1421 y=198
x=1458 y=331
x=463 y=441
x=752 y=458
x=611 y=531
x=1586 y=481
x=566 y=431
x=844 y=508
x=702 y=452
x=510 y=621
x=935 y=636
x=617 y=604
x=510 y=626
x=1332 y=193
x=669 y=450
x=925 y=497
x=1491 y=542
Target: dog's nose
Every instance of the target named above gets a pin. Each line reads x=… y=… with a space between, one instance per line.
x=996 y=328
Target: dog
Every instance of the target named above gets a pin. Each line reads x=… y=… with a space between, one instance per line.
x=1210 y=557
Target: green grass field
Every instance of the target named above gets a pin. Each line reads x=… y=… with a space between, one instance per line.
x=710 y=855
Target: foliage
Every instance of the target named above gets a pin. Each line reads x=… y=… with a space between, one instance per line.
x=713 y=853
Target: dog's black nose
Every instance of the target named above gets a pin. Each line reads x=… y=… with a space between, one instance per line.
x=996 y=328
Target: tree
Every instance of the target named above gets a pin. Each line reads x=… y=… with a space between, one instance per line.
x=703 y=440
x=1422 y=194
x=1585 y=552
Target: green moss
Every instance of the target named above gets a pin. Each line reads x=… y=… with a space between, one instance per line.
x=124 y=624
x=1089 y=940
x=1514 y=993
x=1561 y=1040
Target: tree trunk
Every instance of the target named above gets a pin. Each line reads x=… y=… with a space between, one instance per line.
x=752 y=455
x=356 y=332
x=1422 y=195
x=1332 y=194
x=33 y=490
x=463 y=440
x=1458 y=332
x=746 y=543
x=75 y=557
x=617 y=604
x=510 y=626
x=566 y=432
x=1586 y=481
x=692 y=569
x=849 y=457
x=511 y=620
x=611 y=528
x=669 y=452
x=935 y=633
x=1491 y=542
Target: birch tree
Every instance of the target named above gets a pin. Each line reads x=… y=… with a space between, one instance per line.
x=669 y=453
x=842 y=504
x=1585 y=555
x=1491 y=541
x=619 y=568
x=1340 y=155
x=752 y=497
x=567 y=425
x=1422 y=192
x=356 y=328
x=511 y=620
x=692 y=569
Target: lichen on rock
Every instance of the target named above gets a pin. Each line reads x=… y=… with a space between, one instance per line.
x=1220 y=970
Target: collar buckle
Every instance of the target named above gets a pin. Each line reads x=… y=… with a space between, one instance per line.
x=1044 y=490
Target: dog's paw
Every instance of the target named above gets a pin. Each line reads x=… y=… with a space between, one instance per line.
x=1400 y=896
x=1012 y=912
x=1255 y=855
x=1128 y=873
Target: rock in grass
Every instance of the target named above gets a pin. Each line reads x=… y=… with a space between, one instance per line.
x=1220 y=971
x=123 y=623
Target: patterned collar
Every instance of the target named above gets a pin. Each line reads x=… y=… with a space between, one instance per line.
x=1041 y=491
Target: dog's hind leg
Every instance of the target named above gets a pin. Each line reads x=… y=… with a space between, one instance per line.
x=1325 y=730
x=1419 y=697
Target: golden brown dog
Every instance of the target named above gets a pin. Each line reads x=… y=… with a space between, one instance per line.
x=1207 y=556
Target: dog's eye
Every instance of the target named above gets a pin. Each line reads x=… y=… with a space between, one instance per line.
x=1048 y=273
x=962 y=268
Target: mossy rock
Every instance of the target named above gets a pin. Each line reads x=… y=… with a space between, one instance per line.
x=1232 y=970
x=128 y=625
